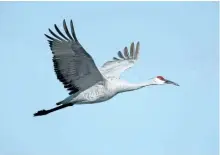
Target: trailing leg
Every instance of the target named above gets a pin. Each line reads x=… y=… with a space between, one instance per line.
x=45 y=112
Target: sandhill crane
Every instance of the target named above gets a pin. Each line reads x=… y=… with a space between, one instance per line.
x=87 y=84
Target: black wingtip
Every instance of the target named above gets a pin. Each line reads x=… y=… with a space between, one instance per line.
x=45 y=35
x=66 y=30
x=60 y=33
x=73 y=31
x=64 y=22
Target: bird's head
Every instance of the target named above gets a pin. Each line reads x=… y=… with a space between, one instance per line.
x=159 y=80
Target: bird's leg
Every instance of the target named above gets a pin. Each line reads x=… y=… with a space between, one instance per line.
x=45 y=112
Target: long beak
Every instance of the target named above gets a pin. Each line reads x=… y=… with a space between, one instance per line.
x=171 y=82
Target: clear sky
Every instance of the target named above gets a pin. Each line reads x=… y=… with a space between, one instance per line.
x=179 y=40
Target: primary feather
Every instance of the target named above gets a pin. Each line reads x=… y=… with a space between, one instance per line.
x=117 y=66
x=73 y=66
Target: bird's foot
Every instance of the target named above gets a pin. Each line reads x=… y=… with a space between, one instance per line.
x=41 y=112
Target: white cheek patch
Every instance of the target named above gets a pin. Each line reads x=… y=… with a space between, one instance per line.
x=158 y=81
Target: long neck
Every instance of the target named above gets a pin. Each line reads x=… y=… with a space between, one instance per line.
x=130 y=86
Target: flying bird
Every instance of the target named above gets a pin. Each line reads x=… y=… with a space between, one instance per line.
x=86 y=83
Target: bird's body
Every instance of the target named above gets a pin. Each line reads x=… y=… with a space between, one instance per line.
x=87 y=84
x=99 y=92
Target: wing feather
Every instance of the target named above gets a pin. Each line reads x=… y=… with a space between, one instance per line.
x=66 y=30
x=114 y=58
x=126 y=52
x=73 y=66
x=117 y=66
x=137 y=51
x=56 y=36
x=60 y=33
x=73 y=31
x=132 y=50
x=120 y=55
x=51 y=38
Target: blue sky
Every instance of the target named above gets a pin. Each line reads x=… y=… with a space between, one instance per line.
x=179 y=40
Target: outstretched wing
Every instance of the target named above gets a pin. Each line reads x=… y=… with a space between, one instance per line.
x=126 y=60
x=73 y=66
